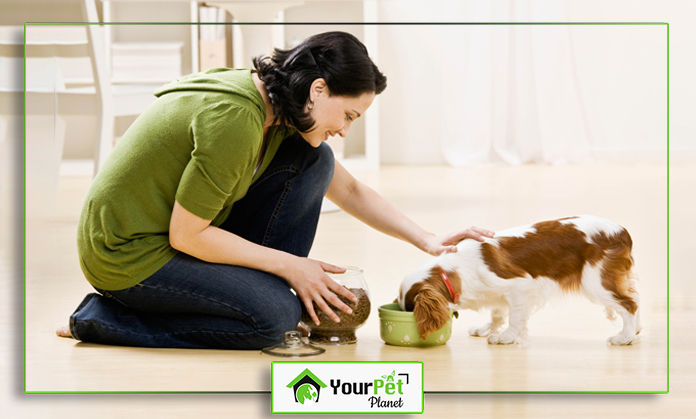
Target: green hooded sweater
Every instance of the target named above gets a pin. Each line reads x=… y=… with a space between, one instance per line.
x=198 y=144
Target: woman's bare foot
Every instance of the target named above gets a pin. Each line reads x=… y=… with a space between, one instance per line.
x=64 y=332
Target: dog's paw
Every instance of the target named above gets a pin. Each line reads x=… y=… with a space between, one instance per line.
x=504 y=339
x=622 y=339
x=482 y=331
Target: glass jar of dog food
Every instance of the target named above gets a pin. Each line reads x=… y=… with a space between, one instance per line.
x=329 y=332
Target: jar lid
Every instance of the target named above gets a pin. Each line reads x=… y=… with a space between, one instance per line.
x=293 y=346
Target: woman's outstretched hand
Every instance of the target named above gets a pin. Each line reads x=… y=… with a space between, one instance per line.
x=437 y=245
x=309 y=280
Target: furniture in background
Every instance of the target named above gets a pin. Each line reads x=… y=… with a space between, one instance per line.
x=49 y=95
x=361 y=148
x=108 y=98
x=79 y=69
x=67 y=87
x=212 y=42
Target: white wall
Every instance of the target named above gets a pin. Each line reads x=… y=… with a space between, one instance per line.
x=620 y=69
x=682 y=60
x=622 y=72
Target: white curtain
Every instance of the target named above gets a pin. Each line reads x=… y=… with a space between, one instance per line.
x=511 y=92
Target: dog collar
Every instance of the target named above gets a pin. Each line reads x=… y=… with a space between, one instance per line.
x=450 y=288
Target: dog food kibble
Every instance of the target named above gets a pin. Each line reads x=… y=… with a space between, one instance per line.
x=332 y=333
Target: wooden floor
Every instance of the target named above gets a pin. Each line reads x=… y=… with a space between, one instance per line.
x=567 y=349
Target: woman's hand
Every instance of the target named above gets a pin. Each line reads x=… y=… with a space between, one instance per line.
x=309 y=280
x=195 y=236
x=368 y=206
x=436 y=245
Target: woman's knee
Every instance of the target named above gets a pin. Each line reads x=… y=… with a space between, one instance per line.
x=322 y=167
x=279 y=316
x=325 y=158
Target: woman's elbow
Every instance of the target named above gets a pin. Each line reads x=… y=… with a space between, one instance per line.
x=185 y=228
x=177 y=240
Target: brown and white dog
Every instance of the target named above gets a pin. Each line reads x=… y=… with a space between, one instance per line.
x=514 y=274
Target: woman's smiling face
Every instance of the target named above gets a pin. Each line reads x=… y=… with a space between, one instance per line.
x=333 y=115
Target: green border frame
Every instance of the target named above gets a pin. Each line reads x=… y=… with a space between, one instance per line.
x=376 y=412
x=344 y=24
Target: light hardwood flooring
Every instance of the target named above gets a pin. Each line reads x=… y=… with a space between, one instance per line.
x=567 y=350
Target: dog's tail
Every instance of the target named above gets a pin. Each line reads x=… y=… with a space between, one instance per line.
x=617 y=269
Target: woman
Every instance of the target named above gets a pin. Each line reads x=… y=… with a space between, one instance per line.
x=199 y=224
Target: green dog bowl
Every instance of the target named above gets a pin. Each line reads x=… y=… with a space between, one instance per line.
x=399 y=328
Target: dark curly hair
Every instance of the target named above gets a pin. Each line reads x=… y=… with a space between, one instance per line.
x=337 y=57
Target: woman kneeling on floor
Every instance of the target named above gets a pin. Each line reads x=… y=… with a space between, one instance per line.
x=197 y=228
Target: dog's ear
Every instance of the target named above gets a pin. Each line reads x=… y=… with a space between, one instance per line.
x=431 y=309
x=396 y=300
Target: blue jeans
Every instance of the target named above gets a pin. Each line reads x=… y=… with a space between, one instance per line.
x=190 y=303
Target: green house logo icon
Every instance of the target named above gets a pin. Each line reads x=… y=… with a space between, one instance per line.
x=306 y=387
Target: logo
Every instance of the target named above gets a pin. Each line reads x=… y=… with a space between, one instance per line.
x=389 y=377
x=306 y=387
x=387 y=387
x=346 y=387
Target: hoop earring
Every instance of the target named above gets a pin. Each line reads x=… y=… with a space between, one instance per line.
x=310 y=103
